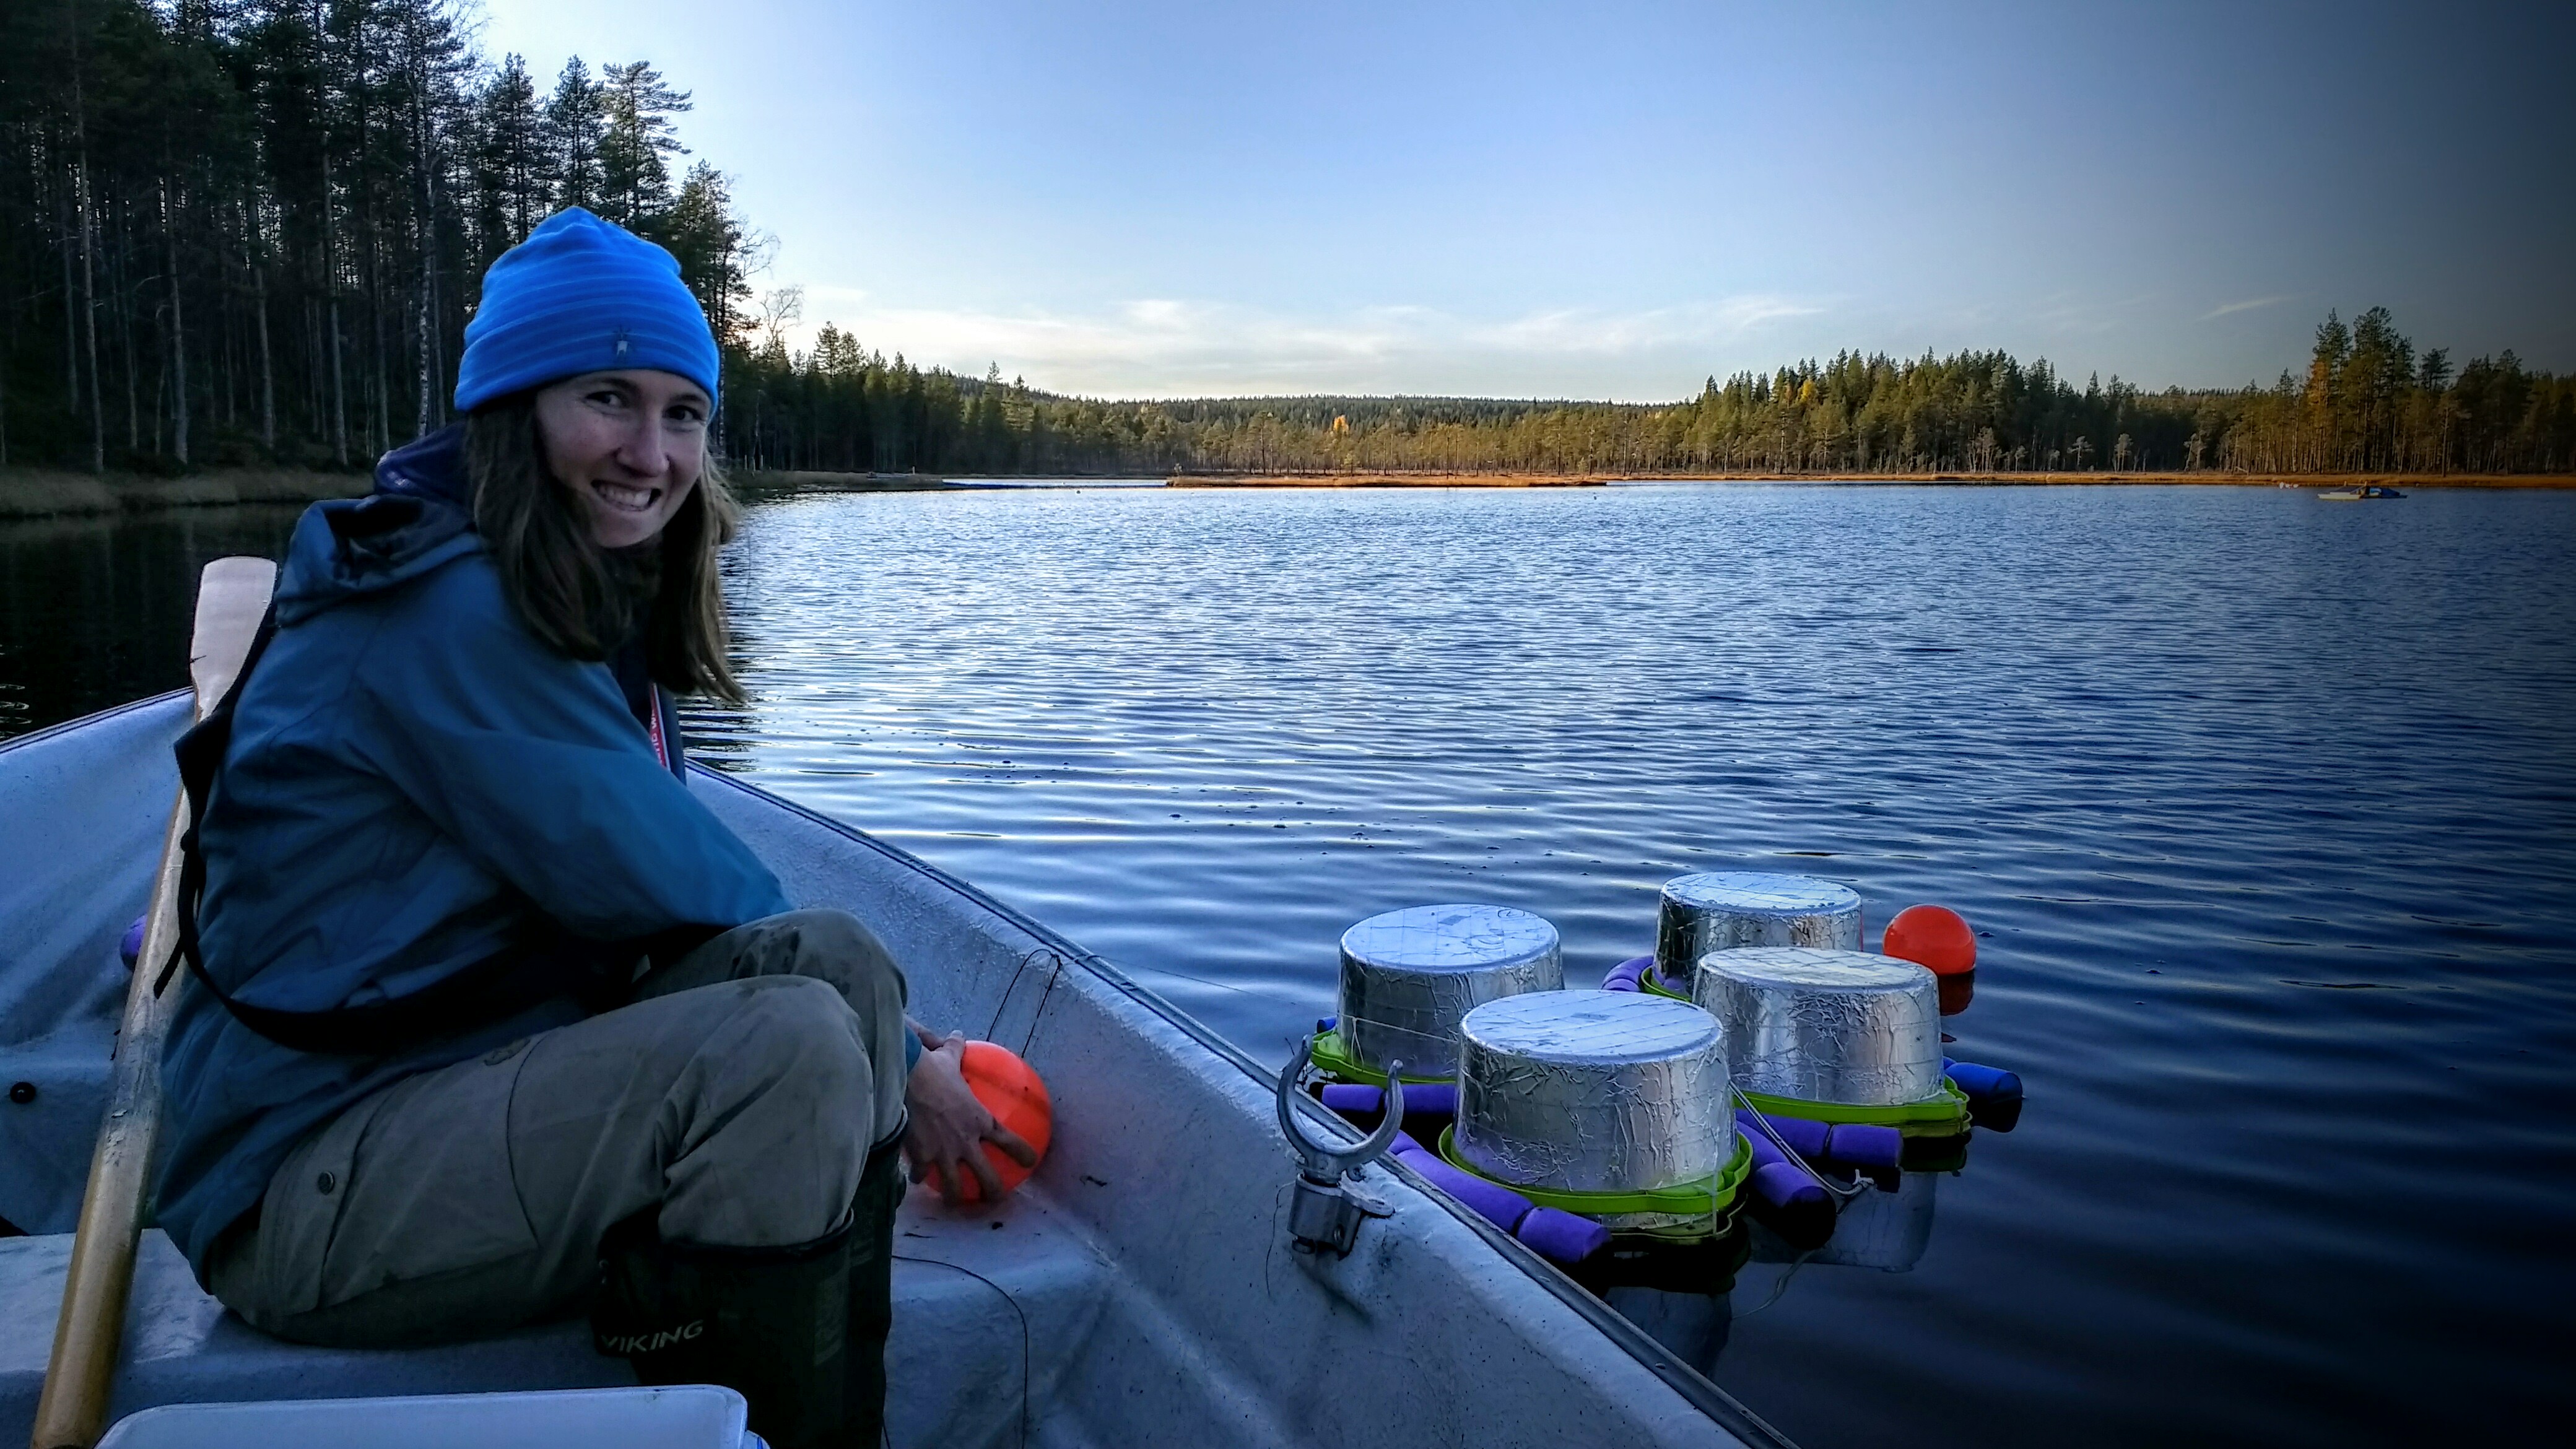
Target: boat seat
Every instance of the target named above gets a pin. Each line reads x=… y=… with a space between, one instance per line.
x=975 y=1293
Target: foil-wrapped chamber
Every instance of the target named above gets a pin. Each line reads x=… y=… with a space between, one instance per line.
x=1825 y=1026
x=1732 y=909
x=1593 y=1091
x=1410 y=976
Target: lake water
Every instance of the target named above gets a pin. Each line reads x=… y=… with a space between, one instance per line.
x=2265 y=806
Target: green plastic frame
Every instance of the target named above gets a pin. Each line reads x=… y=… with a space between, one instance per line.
x=1331 y=1057
x=1653 y=983
x=1942 y=1116
x=1711 y=1196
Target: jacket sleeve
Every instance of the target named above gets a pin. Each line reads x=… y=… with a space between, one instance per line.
x=530 y=761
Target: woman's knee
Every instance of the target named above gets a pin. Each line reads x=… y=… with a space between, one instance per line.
x=835 y=946
x=782 y=1118
x=785 y=1029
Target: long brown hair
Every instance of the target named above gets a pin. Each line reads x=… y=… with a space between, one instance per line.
x=582 y=598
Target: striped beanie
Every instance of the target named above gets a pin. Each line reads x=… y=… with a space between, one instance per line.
x=581 y=295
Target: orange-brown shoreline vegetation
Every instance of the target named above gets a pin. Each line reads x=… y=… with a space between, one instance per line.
x=2213 y=477
x=1385 y=480
x=53 y=493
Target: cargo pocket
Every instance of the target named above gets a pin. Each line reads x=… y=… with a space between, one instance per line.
x=278 y=1273
x=423 y=1181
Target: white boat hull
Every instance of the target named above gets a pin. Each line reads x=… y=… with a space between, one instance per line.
x=1140 y=1290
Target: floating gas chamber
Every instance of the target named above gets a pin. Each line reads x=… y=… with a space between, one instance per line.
x=1838 y=1029
x=1732 y=910
x=1410 y=976
x=1611 y=1104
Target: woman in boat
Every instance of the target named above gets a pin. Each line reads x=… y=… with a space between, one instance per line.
x=494 y=1018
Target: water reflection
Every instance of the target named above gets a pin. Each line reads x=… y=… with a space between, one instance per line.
x=94 y=611
x=1203 y=733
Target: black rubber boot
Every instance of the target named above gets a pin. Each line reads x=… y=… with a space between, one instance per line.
x=872 y=1212
x=768 y=1323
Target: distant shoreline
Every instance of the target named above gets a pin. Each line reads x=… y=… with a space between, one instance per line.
x=55 y=493
x=52 y=493
x=746 y=481
x=1386 y=480
x=2212 y=477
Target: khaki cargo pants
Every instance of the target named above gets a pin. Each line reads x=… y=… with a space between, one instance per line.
x=740 y=1092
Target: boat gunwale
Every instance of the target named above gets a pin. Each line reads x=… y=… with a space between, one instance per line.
x=99 y=717
x=1695 y=1388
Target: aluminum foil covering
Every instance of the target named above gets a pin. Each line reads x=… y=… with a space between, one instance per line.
x=1410 y=976
x=1731 y=909
x=1825 y=1026
x=1593 y=1091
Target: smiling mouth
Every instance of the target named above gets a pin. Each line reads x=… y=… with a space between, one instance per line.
x=626 y=499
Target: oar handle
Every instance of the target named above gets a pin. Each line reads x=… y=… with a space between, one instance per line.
x=71 y=1413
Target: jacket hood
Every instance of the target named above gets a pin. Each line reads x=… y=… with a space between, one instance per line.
x=419 y=519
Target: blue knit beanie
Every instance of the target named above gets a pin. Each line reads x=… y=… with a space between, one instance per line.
x=581 y=295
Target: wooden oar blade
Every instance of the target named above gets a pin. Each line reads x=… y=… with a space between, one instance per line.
x=71 y=1411
x=232 y=595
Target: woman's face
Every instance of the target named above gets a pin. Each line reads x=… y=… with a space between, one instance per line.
x=629 y=444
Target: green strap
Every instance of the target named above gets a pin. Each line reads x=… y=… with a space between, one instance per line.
x=1942 y=1116
x=1707 y=1196
x=1330 y=1055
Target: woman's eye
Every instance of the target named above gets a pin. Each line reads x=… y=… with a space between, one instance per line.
x=609 y=397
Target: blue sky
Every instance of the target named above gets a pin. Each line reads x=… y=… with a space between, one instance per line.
x=1604 y=200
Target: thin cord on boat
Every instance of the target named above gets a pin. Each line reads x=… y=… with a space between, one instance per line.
x=1015 y=1309
x=1038 y=1017
x=1837 y=1191
x=1004 y=1004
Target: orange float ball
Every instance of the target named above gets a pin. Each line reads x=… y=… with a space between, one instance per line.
x=1933 y=936
x=1010 y=1089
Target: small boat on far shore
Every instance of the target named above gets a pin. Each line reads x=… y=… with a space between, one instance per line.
x=2359 y=494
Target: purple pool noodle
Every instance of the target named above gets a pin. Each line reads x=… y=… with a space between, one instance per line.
x=1858 y=1144
x=1324 y=1024
x=1625 y=975
x=1432 y=1099
x=1562 y=1237
x=131 y=948
x=1349 y=1097
x=1805 y=1138
x=1784 y=1187
x=1498 y=1205
x=1764 y=1153
x=1983 y=1084
x=1404 y=1143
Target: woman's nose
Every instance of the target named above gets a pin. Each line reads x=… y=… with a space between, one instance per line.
x=645 y=450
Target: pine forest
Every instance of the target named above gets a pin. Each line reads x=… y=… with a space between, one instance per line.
x=250 y=232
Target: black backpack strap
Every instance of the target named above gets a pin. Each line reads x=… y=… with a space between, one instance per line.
x=201 y=750
x=552 y=963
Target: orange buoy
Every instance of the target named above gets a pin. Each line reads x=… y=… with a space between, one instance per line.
x=1010 y=1089
x=1933 y=936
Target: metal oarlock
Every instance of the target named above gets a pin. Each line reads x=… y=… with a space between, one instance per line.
x=1327 y=1211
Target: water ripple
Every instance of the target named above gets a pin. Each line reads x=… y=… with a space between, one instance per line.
x=2190 y=757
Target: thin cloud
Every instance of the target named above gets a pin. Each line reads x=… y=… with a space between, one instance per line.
x=2248 y=305
x=1171 y=347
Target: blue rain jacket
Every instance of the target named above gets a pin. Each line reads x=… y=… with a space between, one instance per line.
x=414 y=779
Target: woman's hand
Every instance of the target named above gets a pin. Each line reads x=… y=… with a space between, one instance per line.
x=949 y=1127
